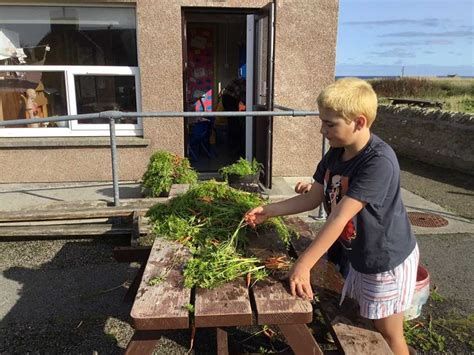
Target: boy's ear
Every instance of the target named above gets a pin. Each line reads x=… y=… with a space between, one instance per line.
x=360 y=122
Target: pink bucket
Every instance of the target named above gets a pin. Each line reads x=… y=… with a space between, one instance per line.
x=422 y=292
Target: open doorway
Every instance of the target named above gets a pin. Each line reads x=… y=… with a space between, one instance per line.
x=227 y=66
x=215 y=57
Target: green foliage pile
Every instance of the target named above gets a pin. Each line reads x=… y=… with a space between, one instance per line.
x=423 y=336
x=241 y=167
x=166 y=169
x=457 y=94
x=208 y=220
x=438 y=330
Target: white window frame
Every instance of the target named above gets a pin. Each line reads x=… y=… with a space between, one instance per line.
x=94 y=129
x=74 y=129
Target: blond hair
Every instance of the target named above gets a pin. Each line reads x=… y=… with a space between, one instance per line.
x=350 y=97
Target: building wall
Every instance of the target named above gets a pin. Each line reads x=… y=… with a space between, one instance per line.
x=305 y=61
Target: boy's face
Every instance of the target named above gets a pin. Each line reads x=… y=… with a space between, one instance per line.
x=336 y=129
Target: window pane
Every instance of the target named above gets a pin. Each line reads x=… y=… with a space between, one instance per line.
x=66 y=35
x=32 y=95
x=96 y=93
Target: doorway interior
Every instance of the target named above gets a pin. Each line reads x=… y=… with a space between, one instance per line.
x=214 y=49
x=219 y=47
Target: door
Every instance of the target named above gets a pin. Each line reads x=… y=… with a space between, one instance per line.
x=264 y=49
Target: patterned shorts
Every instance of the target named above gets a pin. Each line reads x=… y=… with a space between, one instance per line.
x=386 y=293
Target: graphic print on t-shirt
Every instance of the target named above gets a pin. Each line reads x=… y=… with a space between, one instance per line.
x=335 y=187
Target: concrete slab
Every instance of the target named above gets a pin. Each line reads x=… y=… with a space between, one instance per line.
x=18 y=196
x=283 y=187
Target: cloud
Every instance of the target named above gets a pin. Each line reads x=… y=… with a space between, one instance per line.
x=427 y=22
x=456 y=34
x=395 y=53
x=428 y=42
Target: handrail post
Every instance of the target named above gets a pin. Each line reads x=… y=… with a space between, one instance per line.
x=113 y=148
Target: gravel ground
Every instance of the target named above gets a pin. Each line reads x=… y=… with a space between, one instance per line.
x=69 y=292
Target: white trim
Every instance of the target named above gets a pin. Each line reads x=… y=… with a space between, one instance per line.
x=78 y=4
x=111 y=71
x=249 y=86
x=76 y=129
x=63 y=132
x=81 y=69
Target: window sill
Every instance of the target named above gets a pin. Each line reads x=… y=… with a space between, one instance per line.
x=56 y=142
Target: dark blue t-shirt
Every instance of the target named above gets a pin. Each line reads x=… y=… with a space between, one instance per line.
x=379 y=237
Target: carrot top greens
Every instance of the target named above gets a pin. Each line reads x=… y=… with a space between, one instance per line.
x=165 y=169
x=208 y=220
x=241 y=167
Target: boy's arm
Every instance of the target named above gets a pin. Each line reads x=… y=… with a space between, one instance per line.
x=297 y=204
x=337 y=220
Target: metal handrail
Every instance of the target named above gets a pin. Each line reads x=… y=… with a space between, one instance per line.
x=112 y=116
x=118 y=114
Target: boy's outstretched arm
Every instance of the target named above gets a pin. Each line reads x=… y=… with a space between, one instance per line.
x=299 y=275
x=294 y=205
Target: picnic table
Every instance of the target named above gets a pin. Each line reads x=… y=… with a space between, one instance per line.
x=416 y=102
x=164 y=306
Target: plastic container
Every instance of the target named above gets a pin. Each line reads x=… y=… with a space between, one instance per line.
x=247 y=183
x=247 y=179
x=422 y=292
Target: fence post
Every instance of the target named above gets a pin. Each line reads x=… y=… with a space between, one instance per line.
x=113 y=148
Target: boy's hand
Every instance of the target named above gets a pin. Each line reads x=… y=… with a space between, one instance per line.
x=302 y=187
x=299 y=278
x=256 y=216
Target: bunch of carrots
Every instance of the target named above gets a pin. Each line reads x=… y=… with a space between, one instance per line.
x=208 y=220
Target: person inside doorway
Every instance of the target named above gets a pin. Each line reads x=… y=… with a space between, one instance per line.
x=233 y=99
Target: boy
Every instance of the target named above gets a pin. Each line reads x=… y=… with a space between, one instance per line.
x=358 y=180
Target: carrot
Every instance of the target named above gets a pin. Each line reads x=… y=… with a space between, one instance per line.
x=193 y=334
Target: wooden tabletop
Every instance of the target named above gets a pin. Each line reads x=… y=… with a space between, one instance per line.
x=164 y=305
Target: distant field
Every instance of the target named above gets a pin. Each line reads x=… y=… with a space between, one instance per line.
x=457 y=94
